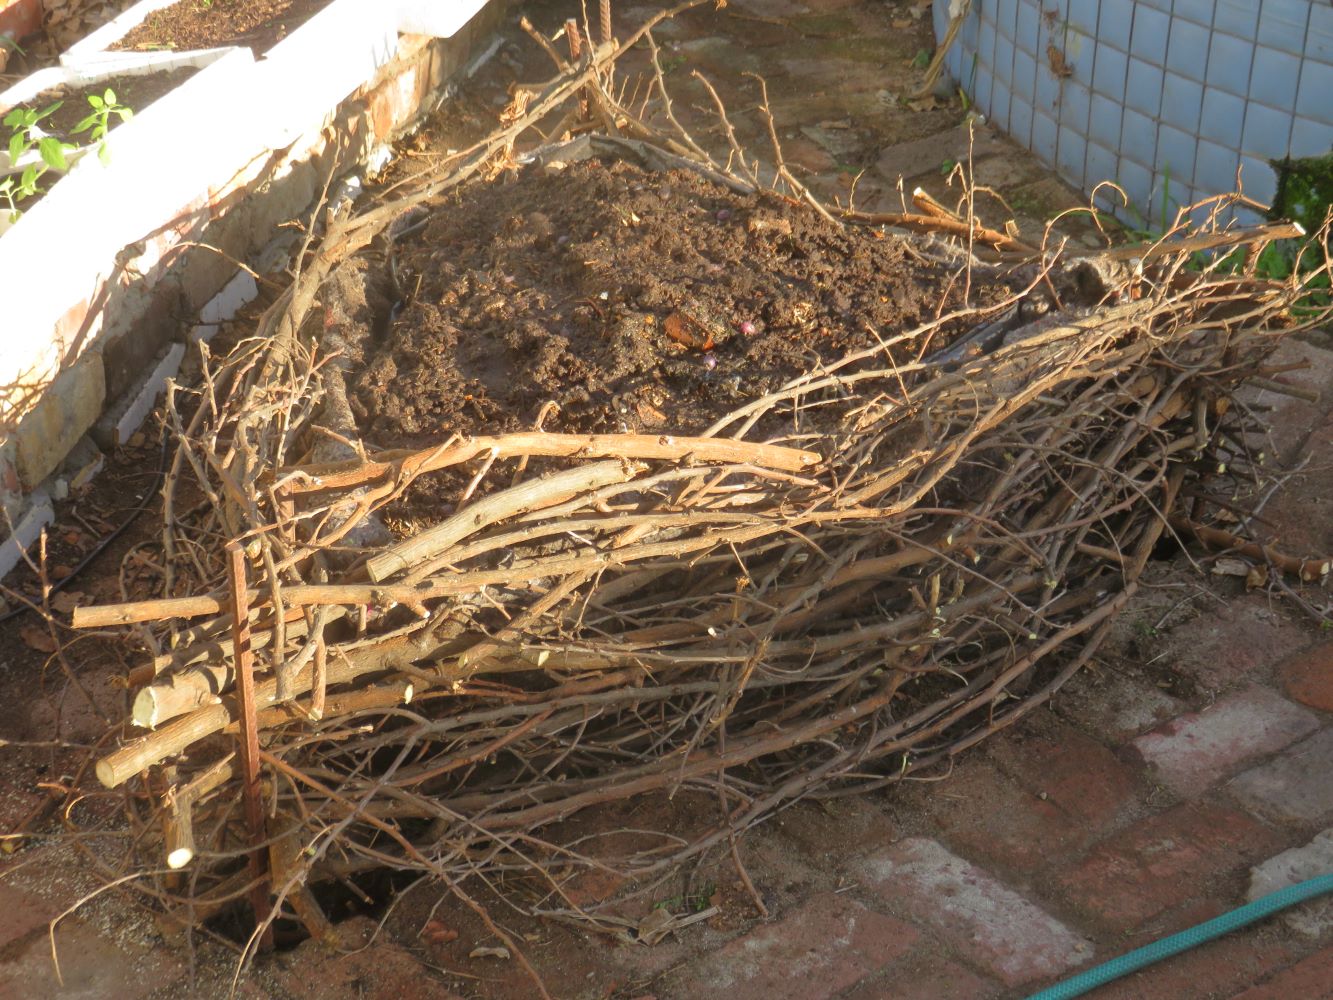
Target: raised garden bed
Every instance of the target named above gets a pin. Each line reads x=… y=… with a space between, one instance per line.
x=77 y=97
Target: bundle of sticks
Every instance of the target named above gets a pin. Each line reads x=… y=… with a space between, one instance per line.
x=746 y=622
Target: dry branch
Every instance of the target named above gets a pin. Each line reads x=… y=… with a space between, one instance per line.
x=724 y=618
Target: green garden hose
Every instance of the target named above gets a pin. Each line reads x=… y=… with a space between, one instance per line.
x=1139 y=958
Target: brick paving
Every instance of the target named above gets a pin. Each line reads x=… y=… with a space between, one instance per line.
x=1191 y=766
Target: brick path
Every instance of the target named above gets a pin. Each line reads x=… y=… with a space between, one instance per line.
x=1190 y=768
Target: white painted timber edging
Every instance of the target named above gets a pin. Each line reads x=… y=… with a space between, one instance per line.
x=76 y=76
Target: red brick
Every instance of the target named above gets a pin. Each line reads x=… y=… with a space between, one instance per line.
x=987 y=814
x=1192 y=752
x=1082 y=777
x=930 y=978
x=1113 y=705
x=989 y=923
x=1311 y=979
x=830 y=830
x=21 y=913
x=1308 y=676
x=829 y=944
x=90 y=966
x=1163 y=861
x=379 y=971
x=1295 y=786
x=1244 y=639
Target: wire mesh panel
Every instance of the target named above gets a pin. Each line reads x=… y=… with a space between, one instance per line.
x=1168 y=98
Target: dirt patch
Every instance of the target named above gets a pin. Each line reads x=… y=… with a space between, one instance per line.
x=206 y=24
x=134 y=92
x=636 y=301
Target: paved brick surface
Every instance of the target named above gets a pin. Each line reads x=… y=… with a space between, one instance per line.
x=983 y=918
x=1015 y=829
x=1315 y=918
x=1242 y=641
x=93 y=967
x=1163 y=860
x=23 y=913
x=378 y=970
x=1080 y=775
x=928 y=977
x=1310 y=979
x=1217 y=969
x=1308 y=676
x=1295 y=787
x=826 y=946
x=1117 y=708
x=1193 y=752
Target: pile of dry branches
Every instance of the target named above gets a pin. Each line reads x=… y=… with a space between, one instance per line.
x=741 y=621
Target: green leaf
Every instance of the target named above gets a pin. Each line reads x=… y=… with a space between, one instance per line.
x=109 y=96
x=104 y=154
x=17 y=145
x=48 y=111
x=85 y=124
x=96 y=102
x=13 y=118
x=53 y=153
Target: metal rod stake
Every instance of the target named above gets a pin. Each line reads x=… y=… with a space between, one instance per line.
x=249 y=733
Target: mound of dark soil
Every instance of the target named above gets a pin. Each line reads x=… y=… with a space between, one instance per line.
x=636 y=300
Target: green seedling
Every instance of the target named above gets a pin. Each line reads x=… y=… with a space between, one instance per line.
x=99 y=122
x=26 y=134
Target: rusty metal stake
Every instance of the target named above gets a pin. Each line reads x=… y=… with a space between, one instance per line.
x=575 y=40
x=606 y=21
x=249 y=733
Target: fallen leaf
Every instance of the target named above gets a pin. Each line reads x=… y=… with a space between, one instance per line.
x=36 y=637
x=1256 y=577
x=67 y=600
x=489 y=953
x=656 y=925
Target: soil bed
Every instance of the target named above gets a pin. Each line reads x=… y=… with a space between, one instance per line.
x=135 y=92
x=636 y=301
x=197 y=24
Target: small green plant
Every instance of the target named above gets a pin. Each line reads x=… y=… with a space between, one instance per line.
x=25 y=135
x=695 y=902
x=99 y=122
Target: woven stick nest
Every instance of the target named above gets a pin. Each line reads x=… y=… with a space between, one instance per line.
x=926 y=554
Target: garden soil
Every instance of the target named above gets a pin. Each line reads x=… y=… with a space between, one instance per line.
x=636 y=301
x=206 y=24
